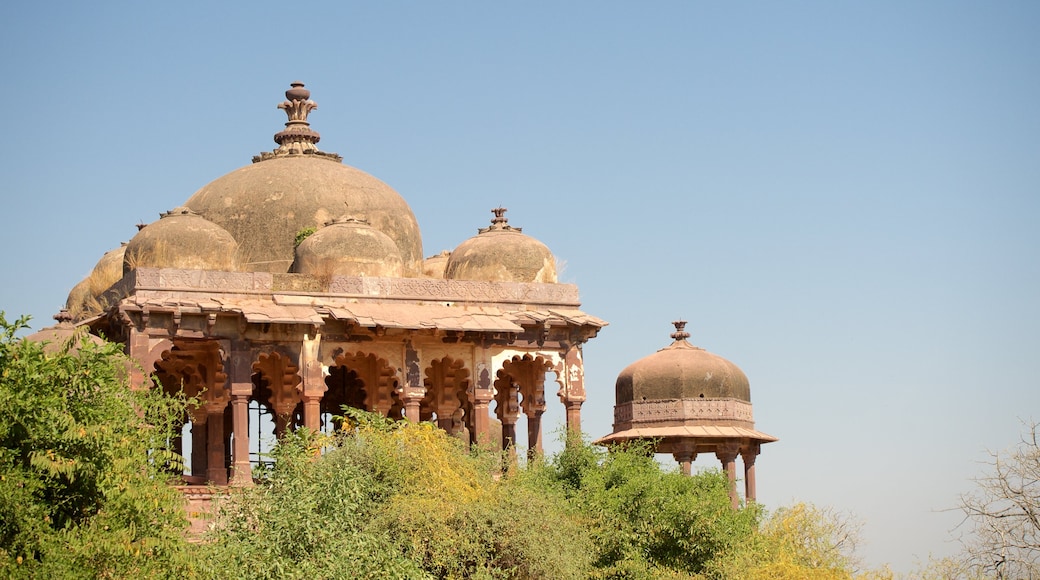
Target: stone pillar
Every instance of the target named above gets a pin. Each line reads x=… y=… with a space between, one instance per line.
x=574 y=416
x=574 y=377
x=481 y=422
x=216 y=472
x=413 y=391
x=685 y=457
x=138 y=351
x=241 y=375
x=312 y=412
x=198 y=445
x=312 y=375
x=412 y=398
x=727 y=454
x=508 y=434
x=242 y=473
x=749 y=455
x=534 y=434
x=482 y=396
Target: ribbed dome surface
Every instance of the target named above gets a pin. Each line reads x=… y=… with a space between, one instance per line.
x=682 y=371
x=348 y=248
x=182 y=239
x=501 y=253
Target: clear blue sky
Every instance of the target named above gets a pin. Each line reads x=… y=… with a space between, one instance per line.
x=841 y=197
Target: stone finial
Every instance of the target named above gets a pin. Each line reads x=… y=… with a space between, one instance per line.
x=500 y=222
x=63 y=316
x=297 y=138
x=680 y=331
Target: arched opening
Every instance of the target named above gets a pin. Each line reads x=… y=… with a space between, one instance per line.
x=274 y=406
x=362 y=381
x=448 y=400
x=520 y=401
x=195 y=368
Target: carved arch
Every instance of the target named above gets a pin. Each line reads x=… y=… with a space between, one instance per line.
x=278 y=387
x=360 y=380
x=447 y=391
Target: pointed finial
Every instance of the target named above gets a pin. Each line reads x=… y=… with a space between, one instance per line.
x=297 y=138
x=500 y=215
x=499 y=222
x=680 y=330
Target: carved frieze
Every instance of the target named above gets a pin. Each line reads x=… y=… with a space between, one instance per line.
x=683 y=410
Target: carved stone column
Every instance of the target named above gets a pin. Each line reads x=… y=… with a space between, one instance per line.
x=481 y=422
x=749 y=455
x=413 y=391
x=574 y=374
x=138 y=349
x=482 y=396
x=313 y=377
x=216 y=472
x=312 y=412
x=727 y=453
x=574 y=416
x=685 y=456
x=241 y=469
x=241 y=374
x=534 y=433
x=198 y=444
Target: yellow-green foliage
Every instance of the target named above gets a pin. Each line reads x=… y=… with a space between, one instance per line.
x=83 y=487
x=798 y=542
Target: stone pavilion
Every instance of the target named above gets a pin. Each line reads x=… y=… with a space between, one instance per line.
x=296 y=285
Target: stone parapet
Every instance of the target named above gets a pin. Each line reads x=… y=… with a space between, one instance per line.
x=352 y=287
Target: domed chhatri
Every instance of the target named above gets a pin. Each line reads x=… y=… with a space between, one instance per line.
x=348 y=247
x=296 y=186
x=182 y=239
x=682 y=371
x=501 y=253
x=686 y=400
x=228 y=299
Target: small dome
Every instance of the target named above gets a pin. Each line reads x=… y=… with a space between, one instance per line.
x=433 y=266
x=85 y=298
x=182 y=239
x=264 y=205
x=501 y=253
x=348 y=247
x=681 y=371
x=54 y=338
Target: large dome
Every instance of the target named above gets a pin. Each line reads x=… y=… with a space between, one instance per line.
x=265 y=205
x=681 y=371
x=501 y=253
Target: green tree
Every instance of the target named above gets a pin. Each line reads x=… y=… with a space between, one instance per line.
x=83 y=466
x=647 y=522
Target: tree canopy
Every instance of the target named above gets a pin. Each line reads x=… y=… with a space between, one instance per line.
x=83 y=463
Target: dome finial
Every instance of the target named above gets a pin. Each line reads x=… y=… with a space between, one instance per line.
x=500 y=215
x=63 y=316
x=680 y=330
x=499 y=222
x=297 y=138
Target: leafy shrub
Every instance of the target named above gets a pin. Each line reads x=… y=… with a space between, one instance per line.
x=83 y=464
